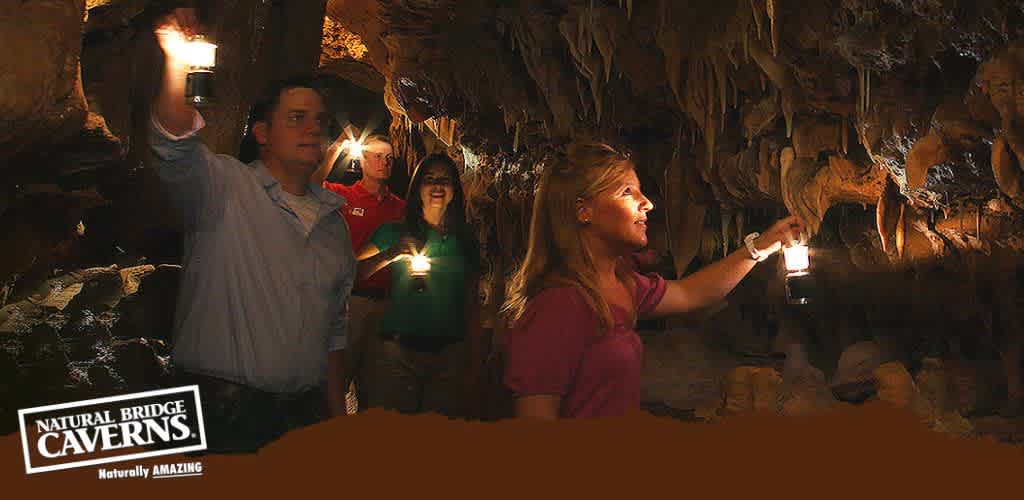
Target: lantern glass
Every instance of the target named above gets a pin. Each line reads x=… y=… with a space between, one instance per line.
x=355 y=148
x=796 y=258
x=200 y=54
x=419 y=265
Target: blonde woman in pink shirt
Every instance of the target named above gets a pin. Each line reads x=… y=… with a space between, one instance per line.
x=572 y=351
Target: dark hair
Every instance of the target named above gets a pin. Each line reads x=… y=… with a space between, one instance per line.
x=265 y=105
x=454 y=215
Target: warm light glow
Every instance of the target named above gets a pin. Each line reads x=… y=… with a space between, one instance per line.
x=419 y=265
x=796 y=257
x=199 y=53
x=354 y=147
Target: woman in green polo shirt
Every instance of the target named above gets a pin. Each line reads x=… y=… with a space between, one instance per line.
x=422 y=361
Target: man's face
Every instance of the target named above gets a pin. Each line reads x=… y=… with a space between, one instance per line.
x=377 y=159
x=296 y=135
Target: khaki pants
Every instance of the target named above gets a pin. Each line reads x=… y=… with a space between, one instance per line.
x=364 y=316
x=409 y=381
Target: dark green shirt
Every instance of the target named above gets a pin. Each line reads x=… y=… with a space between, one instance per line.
x=437 y=311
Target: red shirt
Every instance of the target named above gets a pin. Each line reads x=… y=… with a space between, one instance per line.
x=364 y=213
x=556 y=348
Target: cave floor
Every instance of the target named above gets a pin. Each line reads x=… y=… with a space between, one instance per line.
x=682 y=376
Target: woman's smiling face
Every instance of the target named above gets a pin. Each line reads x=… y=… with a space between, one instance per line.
x=437 y=188
x=618 y=215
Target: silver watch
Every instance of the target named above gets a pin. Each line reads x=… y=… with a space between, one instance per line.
x=754 y=252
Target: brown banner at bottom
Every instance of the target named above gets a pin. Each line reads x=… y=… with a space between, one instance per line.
x=866 y=451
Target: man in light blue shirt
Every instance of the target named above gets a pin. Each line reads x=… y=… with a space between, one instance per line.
x=260 y=323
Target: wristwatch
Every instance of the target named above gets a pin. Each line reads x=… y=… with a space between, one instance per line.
x=755 y=254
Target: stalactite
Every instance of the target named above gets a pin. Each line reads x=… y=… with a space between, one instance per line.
x=775 y=34
x=726 y=223
x=845 y=135
x=757 y=17
x=867 y=91
x=860 y=93
x=901 y=229
x=977 y=220
x=746 y=46
x=710 y=134
x=735 y=93
x=721 y=83
x=515 y=143
x=741 y=221
x=629 y=7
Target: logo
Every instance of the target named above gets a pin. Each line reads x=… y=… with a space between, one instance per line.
x=358 y=211
x=113 y=429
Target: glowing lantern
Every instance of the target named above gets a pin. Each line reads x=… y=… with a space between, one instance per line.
x=419 y=266
x=799 y=282
x=201 y=57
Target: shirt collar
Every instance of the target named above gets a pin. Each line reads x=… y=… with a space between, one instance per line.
x=330 y=199
x=363 y=193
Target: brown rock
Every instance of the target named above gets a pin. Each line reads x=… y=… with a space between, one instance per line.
x=749 y=389
x=895 y=385
x=41 y=98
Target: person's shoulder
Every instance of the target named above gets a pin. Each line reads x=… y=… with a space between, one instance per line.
x=225 y=164
x=394 y=198
x=560 y=308
x=558 y=299
x=338 y=188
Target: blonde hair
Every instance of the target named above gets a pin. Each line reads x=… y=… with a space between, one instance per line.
x=556 y=254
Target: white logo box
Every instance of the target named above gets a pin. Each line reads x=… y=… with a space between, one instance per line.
x=193 y=389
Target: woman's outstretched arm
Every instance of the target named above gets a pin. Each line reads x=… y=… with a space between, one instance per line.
x=712 y=283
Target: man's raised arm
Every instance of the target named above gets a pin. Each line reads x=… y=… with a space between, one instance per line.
x=170 y=109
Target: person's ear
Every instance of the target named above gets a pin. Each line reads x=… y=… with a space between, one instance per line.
x=584 y=212
x=260 y=132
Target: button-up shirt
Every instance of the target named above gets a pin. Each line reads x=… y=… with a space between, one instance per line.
x=262 y=301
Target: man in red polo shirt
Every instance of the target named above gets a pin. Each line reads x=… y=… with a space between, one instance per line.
x=370 y=204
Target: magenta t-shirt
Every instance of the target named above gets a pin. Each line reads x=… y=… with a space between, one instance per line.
x=557 y=348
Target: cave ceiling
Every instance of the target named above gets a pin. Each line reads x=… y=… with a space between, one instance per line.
x=731 y=108
x=909 y=106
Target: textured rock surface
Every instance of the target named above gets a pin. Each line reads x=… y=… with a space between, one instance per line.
x=82 y=335
x=42 y=101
